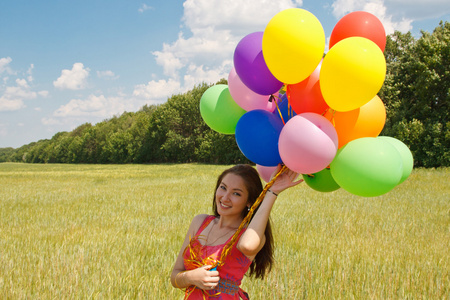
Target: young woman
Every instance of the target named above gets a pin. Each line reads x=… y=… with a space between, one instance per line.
x=236 y=190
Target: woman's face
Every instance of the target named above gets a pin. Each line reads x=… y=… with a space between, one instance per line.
x=231 y=195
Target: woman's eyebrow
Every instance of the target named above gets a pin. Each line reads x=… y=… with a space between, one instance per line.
x=236 y=189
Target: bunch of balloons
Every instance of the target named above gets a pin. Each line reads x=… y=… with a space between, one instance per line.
x=288 y=103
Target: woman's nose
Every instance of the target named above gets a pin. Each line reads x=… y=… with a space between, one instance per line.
x=227 y=195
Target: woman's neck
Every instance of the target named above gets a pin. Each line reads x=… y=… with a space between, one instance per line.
x=229 y=222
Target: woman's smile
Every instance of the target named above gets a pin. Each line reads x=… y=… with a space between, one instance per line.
x=223 y=205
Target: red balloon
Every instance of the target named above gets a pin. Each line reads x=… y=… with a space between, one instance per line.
x=306 y=95
x=362 y=24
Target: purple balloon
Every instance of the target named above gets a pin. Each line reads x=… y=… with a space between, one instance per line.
x=251 y=67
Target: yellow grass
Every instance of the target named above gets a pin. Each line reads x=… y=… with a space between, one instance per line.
x=113 y=232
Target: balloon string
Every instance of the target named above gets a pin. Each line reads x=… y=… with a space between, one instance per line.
x=279 y=111
x=288 y=96
x=247 y=219
x=331 y=118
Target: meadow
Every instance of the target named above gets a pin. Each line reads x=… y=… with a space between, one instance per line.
x=114 y=231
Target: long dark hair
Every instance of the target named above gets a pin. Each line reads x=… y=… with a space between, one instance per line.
x=262 y=264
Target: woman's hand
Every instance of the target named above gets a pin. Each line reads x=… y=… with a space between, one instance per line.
x=203 y=278
x=286 y=180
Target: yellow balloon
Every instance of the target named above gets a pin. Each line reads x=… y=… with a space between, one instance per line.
x=352 y=73
x=293 y=45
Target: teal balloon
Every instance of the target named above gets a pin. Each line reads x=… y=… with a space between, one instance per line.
x=218 y=109
x=321 y=181
x=405 y=153
x=367 y=167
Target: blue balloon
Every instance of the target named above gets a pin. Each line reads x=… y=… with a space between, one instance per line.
x=257 y=133
x=287 y=112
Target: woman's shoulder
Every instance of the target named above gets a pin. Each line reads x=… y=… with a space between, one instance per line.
x=199 y=219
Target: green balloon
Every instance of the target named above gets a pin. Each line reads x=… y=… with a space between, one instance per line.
x=219 y=110
x=367 y=167
x=321 y=181
x=405 y=153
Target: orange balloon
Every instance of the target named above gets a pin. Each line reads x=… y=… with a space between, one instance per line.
x=306 y=95
x=366 y=121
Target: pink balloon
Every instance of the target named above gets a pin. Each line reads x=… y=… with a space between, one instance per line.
x=245 y=97
x=266 y=172
x=308 y=143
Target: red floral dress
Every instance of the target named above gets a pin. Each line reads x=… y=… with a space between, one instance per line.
x=231 y=272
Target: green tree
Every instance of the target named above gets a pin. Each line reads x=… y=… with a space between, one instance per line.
x=6 y=154
x=219 y=148
x=177 y=133
x=137 y=133
x=61 y=151
x=416 y=94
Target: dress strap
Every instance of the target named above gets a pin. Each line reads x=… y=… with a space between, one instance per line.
x=205 y=223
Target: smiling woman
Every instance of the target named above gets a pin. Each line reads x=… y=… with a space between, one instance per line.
x=200 y=267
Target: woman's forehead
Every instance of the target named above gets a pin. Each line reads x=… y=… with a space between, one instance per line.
x=234 y=181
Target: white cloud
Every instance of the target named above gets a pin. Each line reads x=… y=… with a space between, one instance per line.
x=394 y=14
x=4 y=65
x=51 y=121
x=10 y=104
x=157 y=91
x=43 y=94
x=212 y=29
x=100 y=107
x=230 y=15
x=144 y=7
x=197 y=74
x=169 y=60
x=419 y=9
x=94 y=106
x=74 y=79
x=30 y=73
x=14 y=96
x=107 y=74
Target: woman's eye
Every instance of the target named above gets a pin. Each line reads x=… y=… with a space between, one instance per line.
x=237 y=194
x=222 y=187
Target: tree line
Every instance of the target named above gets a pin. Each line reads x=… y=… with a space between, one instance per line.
x=415 y=93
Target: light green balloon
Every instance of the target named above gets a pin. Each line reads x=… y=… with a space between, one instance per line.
x=405 y=153
x=321 y=181
x=367 y=167
x=219 y=110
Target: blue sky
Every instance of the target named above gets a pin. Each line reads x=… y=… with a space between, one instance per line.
x=65 y=63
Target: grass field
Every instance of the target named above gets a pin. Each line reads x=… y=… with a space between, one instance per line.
x=114 y=231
